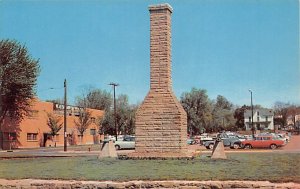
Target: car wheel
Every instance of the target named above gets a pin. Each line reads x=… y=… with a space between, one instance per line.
x=236 y=146
x=273 y=146
x=117 y=147
x=248 y=146
x=211 y=146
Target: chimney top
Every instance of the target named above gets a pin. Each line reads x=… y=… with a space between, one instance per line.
x=161 y=7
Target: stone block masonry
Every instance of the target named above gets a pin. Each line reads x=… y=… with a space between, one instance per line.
x=161 y=122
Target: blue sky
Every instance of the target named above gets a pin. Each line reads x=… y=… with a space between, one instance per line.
x=223 y=46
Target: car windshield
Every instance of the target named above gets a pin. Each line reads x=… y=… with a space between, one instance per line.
x=129 y=139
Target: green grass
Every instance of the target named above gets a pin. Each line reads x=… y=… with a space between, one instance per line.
x=275 y=167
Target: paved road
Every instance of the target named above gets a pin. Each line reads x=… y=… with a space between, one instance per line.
x=291 y=147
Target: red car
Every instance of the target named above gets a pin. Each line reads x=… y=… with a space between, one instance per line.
x=263 y=142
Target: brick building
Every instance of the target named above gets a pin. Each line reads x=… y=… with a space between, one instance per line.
x=33 y=130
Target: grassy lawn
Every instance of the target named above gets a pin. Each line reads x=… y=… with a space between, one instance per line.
x=275 y=167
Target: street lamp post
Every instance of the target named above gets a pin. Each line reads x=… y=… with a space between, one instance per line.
x=115 y=110
x=252 y=125
x=65 y=115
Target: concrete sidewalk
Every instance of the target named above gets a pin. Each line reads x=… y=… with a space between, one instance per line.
x=47 y=184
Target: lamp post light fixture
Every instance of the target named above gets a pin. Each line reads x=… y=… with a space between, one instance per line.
x=115 y=110
x=252 y=125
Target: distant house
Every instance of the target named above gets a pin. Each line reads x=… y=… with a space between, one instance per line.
x=263 y=119
x=293 y=119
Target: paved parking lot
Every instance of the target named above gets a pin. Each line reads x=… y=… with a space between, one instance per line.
x=292 y=146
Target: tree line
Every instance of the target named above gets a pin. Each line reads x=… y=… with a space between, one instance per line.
x=203 y=114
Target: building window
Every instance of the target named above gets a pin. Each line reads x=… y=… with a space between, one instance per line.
x=249 y=119
x=266 y=118
x=257 y=113
x=33 y=114
x=93 y=120
x=93 y=131
x=31 y=136
x=258 y=118
x=9 y=136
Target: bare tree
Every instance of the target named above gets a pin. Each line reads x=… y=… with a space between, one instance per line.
x=54 y=124
x=83 y=122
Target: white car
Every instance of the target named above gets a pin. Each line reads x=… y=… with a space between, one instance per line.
x=109 y=138
x=128 y=142
x=284 y=137
x=205 y=138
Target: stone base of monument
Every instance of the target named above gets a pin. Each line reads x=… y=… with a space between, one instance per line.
x=159 y=155
x=108 y=150
x=218 y=150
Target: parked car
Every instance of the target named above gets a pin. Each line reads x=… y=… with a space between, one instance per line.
x=128 y=142
x=263 y=141
x=109 y=138
x=190 y=141
x=284 y=137
x=248 y=137
x=232 y=141
x=196 y=139
x=205 y=138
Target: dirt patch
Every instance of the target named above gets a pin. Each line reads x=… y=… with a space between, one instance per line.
x=293 y=145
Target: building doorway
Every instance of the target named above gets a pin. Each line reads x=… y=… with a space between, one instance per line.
x=46 y=137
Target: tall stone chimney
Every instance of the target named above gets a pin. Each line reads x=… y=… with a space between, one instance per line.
x=161 y=122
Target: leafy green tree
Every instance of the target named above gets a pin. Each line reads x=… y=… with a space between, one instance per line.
x=125 y=117
x=95 y=99
x=54 y=124
x=107 y=123
x=83 y=122
x=239 y=116
x=222 y=103
x=18 y=77
x=199 y=110
x=222 y=114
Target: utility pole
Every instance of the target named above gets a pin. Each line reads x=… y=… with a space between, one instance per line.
x=115 y=110
x=65 y=116
x=252 y=128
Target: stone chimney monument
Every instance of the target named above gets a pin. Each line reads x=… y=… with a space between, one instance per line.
x=161 y=122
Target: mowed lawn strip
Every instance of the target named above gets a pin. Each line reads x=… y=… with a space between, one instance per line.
x=274 y=167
